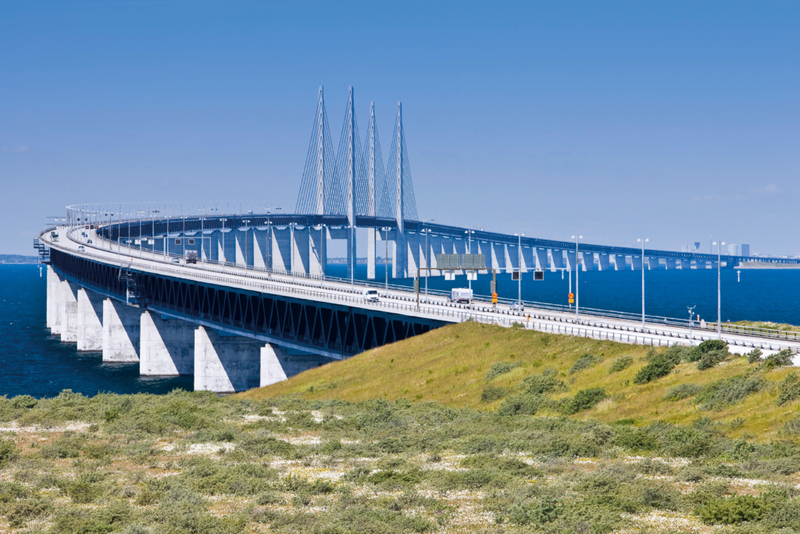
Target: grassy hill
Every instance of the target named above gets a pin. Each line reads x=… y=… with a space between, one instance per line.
x=450 y=366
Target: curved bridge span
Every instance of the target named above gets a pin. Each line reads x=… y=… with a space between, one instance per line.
x=234 y=325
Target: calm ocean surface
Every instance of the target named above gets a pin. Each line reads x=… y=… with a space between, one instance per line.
x=35 y=363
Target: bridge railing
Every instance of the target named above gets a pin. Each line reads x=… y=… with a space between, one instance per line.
x=565 y=313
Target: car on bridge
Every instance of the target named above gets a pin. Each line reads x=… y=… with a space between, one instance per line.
x=371 y=295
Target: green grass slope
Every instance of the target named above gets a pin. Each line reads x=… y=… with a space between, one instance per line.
x=452 y=365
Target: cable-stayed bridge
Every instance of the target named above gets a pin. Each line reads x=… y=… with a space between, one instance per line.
x=241 y=300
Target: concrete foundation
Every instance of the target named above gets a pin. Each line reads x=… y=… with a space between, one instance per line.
x=277 y=365
x=121 y=332
x=53 y=320
x=166 y=346
x=225 y=364
x=68 y=310
x=90 y=321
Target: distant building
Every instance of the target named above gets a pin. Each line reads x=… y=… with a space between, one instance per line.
x=745 y=251
x=733 y=249
x=684 y=248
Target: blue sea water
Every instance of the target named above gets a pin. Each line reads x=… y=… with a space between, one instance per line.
x=35 y=363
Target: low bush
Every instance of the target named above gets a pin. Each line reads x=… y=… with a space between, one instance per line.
x=754 y=356
x=522 y=404
x=583 y=400
x=789 y=389
x=620 y=364
x=8 y=452
x=661 y=365
x=779 y=359
x=682 y=391
x=712 y=359
x=723 y=393
x=492 y=393
x=501 y=368
x=733 y=510
x=584 y=362
x=545 y=382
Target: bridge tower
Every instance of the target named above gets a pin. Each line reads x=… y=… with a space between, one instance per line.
x=374 y=165
x=350 y=125
x=320 y=200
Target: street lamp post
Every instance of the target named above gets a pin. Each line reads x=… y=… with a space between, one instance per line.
x=577 y=275
x=469 y=251
x=224 y=250
x=386 y=255
x=719 y=287
x=426 y=231
x=643 y=240
x=246 y=230
x=519 y=268
x=691 y=322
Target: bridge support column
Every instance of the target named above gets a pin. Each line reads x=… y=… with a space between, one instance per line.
x=317 y=256
x=619 y=262
x=121 y=332
x=528 y=262
x=300 y=250
x=90 y=321
x=587 y=261
x=371 y=253
x=636 y=263
x=166 y=346
x=260 y=249
x=604 y=262
x=68 y=309
x=225 y=364
x=281 y=249
x=498 y=256
x=653 y=264
x=398 y=247
x=53 y=311
x=541 y=259
x=672 y=264
x=413 y=254
x=571 y=265
x=557 y=259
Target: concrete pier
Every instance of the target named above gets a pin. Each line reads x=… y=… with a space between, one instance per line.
x=90 y=321
x=166 y=346
x=277 y=365
x=121 y=332
x=68 y=310
x=225 y=364
x=53 y=315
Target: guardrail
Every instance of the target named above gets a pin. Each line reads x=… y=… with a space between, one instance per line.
x=297 y=284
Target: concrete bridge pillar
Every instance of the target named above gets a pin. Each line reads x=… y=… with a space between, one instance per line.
x=636 y=263
x=278 y=365
x=371 y=253
x=527 y=259
x=604 y=262
x=413 y=253
x=541 y=259
x=587 y=261
x=300 y=249
x=121 y=332
x=619 y=262
x=460 y=246
x=68 y=309
x=225 y=364
x=90 y=321
x=498 y=257
x=243 y=239
x=260 y=248
x=571 y=262
x=653 y=263
x=53 y=310
x=671 y=263
x=557 y=259
x=398 y=248
x=512 y=257
x=166 y=346
x=317 y=254
x=281 y=248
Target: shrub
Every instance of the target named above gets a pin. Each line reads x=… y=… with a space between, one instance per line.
x=492 y=393
x=8 y=452
x=754 y=356
x=723 y=393
x=789 y=389
x=23 y=402
x=620 y=364
x=546 y=382
x=682 y=391
x=779 y=359
x=500 y=368
x=583 y=400
x=711 y=345
x=522 y=404
x=544 y=510
x=712 y=358
x=661 y=365
x=584 y=362
x=733 y=510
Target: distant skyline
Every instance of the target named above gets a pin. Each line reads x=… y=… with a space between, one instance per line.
x=674 y=121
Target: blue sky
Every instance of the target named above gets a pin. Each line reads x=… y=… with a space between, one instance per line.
x=672 y=120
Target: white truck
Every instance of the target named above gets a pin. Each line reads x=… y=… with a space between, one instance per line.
x=461 y=295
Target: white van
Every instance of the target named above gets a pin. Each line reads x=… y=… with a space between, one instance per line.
x=461 y=295
x=371 y=295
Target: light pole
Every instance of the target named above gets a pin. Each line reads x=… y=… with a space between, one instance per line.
x=426 y=231
x=140 y=213
x=224 y=250
x=246 y=230
x=691 y=322
x=386 y=255
x=519 y=269
x=469 y=251
x=577 y=275
x=643 y=240
x=202 y=238
x=719 y=287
